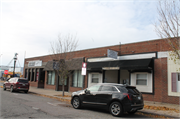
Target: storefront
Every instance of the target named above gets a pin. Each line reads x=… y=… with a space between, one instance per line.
x=137 y=72
x=146 y=65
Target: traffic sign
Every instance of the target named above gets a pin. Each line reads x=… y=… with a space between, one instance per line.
x=5 y=71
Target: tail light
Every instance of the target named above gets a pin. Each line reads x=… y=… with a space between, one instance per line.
x=17 y=82
x=128 y=95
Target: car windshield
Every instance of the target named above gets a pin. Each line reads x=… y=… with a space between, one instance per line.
x=23 y=80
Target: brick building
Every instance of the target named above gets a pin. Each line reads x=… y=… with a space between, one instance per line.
x=146 y=65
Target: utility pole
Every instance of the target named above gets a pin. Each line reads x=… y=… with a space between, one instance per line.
x=15 y=58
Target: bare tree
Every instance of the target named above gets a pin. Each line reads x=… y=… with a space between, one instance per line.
x=168 y=24
x=62 y=54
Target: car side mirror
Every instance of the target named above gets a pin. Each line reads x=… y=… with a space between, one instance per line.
x=87 y=91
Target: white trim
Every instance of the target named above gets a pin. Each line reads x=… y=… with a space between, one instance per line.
x=143 y=88
x=90 y=79
x=172 y=68
x=132 y=56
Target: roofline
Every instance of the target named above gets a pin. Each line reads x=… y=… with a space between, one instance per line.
x=102 y=47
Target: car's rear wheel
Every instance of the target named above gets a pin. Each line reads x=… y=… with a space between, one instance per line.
x=116 y=109
x=11 y=89
x=76 y=103
x=132 y=112
x=4 y=87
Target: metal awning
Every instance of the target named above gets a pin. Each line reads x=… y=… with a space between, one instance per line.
x=76 y=64
x=123 y=64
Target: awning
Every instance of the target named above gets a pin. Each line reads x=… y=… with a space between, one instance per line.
x=74 y=64
x=123 y=64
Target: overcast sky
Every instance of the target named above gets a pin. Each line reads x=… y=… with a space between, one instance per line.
x=28 y=26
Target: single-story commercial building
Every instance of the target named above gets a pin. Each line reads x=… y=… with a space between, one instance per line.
x=146 y=65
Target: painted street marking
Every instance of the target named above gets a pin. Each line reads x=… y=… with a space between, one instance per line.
x=51 y=104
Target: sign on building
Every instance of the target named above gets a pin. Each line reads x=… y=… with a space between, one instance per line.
x=83 y=72
x=35 y=63
x=112 y=54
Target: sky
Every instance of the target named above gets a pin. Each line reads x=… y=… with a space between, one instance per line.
x=27 y=27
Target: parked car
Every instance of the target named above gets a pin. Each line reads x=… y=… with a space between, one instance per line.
x=117 y=98
x=16 y=84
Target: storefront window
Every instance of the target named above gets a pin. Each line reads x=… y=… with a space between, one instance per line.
x=51 y=77
x=141 y=79
x=95 y=78
x=77 y=79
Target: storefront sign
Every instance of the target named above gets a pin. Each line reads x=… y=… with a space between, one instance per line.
x=110 y=68
x=34 y=63
x=112 y=54
x=83 y=68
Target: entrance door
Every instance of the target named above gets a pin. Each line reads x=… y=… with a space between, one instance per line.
x=41 y=79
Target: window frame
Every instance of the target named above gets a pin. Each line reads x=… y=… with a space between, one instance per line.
x=78 y=79
x=51 y=77
x=92 y=77
x=142 y=79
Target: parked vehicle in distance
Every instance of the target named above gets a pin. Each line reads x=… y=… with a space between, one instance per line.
x=16 y=84
x=117 y=98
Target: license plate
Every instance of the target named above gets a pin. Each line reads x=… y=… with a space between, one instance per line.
x=23 y=84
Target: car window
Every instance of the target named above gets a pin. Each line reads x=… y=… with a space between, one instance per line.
x=114 y=89
x=107 y=88
x=10 y=80
x=94 y=88
x=133 y=90
x=22 y=80
x=122 y=89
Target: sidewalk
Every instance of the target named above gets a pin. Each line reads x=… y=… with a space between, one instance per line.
x=155 y=108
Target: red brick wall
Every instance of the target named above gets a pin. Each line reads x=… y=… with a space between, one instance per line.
x=33 y=84
x=160 y=69
x=161 y=84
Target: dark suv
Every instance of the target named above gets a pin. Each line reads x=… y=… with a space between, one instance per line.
x=117 y=98
x=16 y=84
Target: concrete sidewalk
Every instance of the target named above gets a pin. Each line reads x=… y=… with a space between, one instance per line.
x=155 y=108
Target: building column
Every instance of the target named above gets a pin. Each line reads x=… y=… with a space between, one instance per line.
x=28 y=75
x=31 y=74
x=35 y=73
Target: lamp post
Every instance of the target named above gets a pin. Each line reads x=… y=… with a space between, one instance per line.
x=15 y=58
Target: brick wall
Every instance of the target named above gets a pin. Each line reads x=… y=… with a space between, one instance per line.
x=161 y=84
x=160 y=66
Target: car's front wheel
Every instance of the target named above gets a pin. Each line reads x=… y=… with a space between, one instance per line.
x=4 y=87
x=76 y=103
x=116 y=109
x=12 y=89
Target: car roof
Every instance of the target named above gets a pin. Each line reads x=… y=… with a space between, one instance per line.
x=115 y=84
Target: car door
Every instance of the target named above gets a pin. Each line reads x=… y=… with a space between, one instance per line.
x=90 y=96
x=8 y=83
x=104 y=95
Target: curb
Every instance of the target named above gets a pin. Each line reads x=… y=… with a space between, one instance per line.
x=154 y=115
x=53 y=97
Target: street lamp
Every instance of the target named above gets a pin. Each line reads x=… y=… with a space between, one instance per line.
x=15 y=58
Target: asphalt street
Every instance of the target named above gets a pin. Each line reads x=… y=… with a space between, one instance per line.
x=21 y=105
